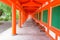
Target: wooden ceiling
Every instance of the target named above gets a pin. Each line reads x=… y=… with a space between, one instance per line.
x=29 y=6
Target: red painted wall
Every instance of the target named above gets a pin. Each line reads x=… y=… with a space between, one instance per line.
x=48 y=25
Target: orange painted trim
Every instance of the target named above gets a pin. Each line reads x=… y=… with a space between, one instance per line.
x=50 y=37
x=55 y=30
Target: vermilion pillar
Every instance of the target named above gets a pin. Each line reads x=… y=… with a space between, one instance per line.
x=23 y=18
x=13 y=19
x=19 y=19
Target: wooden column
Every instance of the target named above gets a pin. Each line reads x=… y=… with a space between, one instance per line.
x=49 y=16
x=23 y=18
x=19 y=19
x=13 y=19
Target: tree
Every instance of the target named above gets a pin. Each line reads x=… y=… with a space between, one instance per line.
x=6 y=12
x=1 y=11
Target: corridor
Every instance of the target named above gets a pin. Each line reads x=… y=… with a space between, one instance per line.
x=29 y=31
x=44 y=16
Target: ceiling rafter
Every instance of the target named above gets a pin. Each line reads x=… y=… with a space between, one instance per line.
x=24 y=2
x=37 y=2
x=18 y=5
x=26 y=5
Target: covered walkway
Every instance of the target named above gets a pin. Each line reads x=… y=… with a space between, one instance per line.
x=46 y=14
x=30 y=31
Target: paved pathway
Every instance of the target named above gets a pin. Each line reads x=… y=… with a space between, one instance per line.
x=4 y=25
x=30 y=31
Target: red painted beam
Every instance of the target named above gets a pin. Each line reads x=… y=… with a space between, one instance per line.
x=19 y=6
x=6 y=2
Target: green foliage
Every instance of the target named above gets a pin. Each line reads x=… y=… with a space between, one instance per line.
x=1 y=11
x=1 y=19
x=17 y=14
x=7 y=12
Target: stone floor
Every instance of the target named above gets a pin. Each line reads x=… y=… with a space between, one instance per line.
x=29 y=31
x=4 y=24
